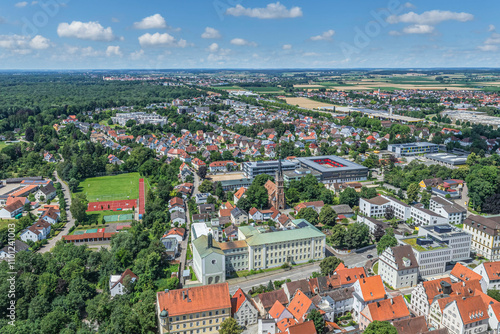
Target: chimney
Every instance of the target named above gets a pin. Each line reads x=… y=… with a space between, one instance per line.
x=210 y=241
x=392 y=301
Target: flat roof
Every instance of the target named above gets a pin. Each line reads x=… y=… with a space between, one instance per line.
x=418 y=144
x=448 y=158
x=346 y=164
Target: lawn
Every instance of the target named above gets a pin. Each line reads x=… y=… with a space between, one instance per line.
x=111 y=188
x=375 y=268
x=5 y=222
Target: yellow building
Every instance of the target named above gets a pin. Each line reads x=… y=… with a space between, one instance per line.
x=194 y=310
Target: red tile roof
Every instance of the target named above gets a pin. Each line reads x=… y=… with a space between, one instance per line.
x=463 y=273
x=387 y=310
x=237 y=300
x=194 y=300
x=304 y=328
x=299 y=306
x=372 y=288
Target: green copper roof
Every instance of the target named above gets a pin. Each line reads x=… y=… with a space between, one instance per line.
x=283 y=236
x=201 y=245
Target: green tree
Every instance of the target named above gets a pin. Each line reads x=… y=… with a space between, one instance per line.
x=327 y=216
x=495 y=294
x=337 y=239
x=309 y=214
x=368 y=193
x=329 y=264
x=202 y=172
x=357 y=236
x=380 y=327
x=230 y=326
x=78 y=207
x=317 y=318
x=206 y=187
x=73 y=185
x=412 y=192
x=244 y=204
x=130 y=123
x=349 y=196
x=425 y=198
x=388 y=240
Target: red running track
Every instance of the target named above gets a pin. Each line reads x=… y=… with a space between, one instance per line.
x=126 y=204
x=142 y=197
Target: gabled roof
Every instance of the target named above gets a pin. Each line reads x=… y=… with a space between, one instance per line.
x=240 y=192
x=304 y=328
x=237 y=300
x=492 y=270
x=14 y=206
x=350 y=275
x=276 y=310
x=269 y=298
x=416 y=325
x=472 y=309
x=463 y=273
x=372 y=288
x=299 y=306
x=387 y=309
x=126 y=273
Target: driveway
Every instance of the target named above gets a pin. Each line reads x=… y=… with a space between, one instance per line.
x=69 y=224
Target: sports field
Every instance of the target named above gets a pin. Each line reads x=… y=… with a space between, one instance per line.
x=110 y=188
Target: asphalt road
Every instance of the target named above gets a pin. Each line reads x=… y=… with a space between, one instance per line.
x=71 y=222
x=297 y=273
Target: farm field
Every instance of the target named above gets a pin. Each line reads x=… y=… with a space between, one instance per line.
x=306 y=103
x=110 y=188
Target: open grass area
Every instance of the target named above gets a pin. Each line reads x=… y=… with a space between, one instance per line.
x=110 y=188
x=375 y=268
x=5 y=222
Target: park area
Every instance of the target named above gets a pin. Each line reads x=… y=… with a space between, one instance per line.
x=110 y=188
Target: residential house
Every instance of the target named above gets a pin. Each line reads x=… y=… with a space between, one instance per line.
x=398 y=267
x=118 y=283
x=392 y=309
x=242 y=309
x=46 y=193
x=367 y=290
x=238 y=217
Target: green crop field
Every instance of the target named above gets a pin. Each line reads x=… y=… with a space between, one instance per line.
x=110 y=188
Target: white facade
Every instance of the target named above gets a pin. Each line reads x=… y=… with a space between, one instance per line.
x=432 y=257
x=377 y=206
x=422 y=216
x=458 y=240
x=454 y=213
x=398 y=267
x=247 y=314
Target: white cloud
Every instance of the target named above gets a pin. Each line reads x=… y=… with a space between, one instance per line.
x=242 y=42
x=155 y=21
x=85 y=30
x=214 y=47
x=431 y=17
x=491 y=27
x=34 y=3
x=82 y=52
x=287 y=47
x=39 y=43
x=325 y=36
x=211 y=33
x=113 y=50
x=23 y=44
x=488 y=48
x=409 y=5
x=394 y=33
x=137 y=54
x=493 y=39
x=418 y=29
x=158 y=39
x=271 y=11
x=21 y=4
x=115 y=20
x=310 y=54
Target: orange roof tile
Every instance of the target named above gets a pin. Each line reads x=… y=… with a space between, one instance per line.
x=472 y=309
x=304 y=328
x=463 y=273
x=299 y=306
x=350 y=275
x=492 y=269
x=285 y=323
x=237 y=300
x=194 y=300
x=387 y=309
x=240 y=192
x=372 y=288
x=276 y=310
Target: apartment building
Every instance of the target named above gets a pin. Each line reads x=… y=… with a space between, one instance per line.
x=454 y=213
x=421 y=216
x=243 y=310
x=490 y=271
x=398 y=267
x=431 y=254
x=392 y=309
x=193 y=310
x=485 y=235
x=456 y=239
x=376 y=207
x=461 y=315
x=139 y=118
x=367 y=290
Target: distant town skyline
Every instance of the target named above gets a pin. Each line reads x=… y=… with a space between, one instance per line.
x=219 y=34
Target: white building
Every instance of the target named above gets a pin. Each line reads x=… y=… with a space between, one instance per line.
x=491 y=274
x=208 y=260
x=377 y=206
x=206 y=228
x=38 y=231
x=456 y=239
x=421 y=216
x=431 y=255
x=367 y=290
x=398 y=267
x=243 y=311
x=12 y=210
x=118 y=283
x=463 y=315
x=454 y=213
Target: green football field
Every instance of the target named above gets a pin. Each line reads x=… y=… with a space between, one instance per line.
x=110 y=188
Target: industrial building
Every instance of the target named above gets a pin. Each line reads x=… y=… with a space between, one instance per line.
x=447 y=159
x=334 y=169
x=253 y=168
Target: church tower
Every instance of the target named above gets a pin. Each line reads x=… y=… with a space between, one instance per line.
x=280 y=186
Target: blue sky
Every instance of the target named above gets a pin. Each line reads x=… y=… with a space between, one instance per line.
x=158 y=34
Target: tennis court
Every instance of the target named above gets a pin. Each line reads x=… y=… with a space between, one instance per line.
x=92 y=230
x=119 y=218
x=127 y=204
